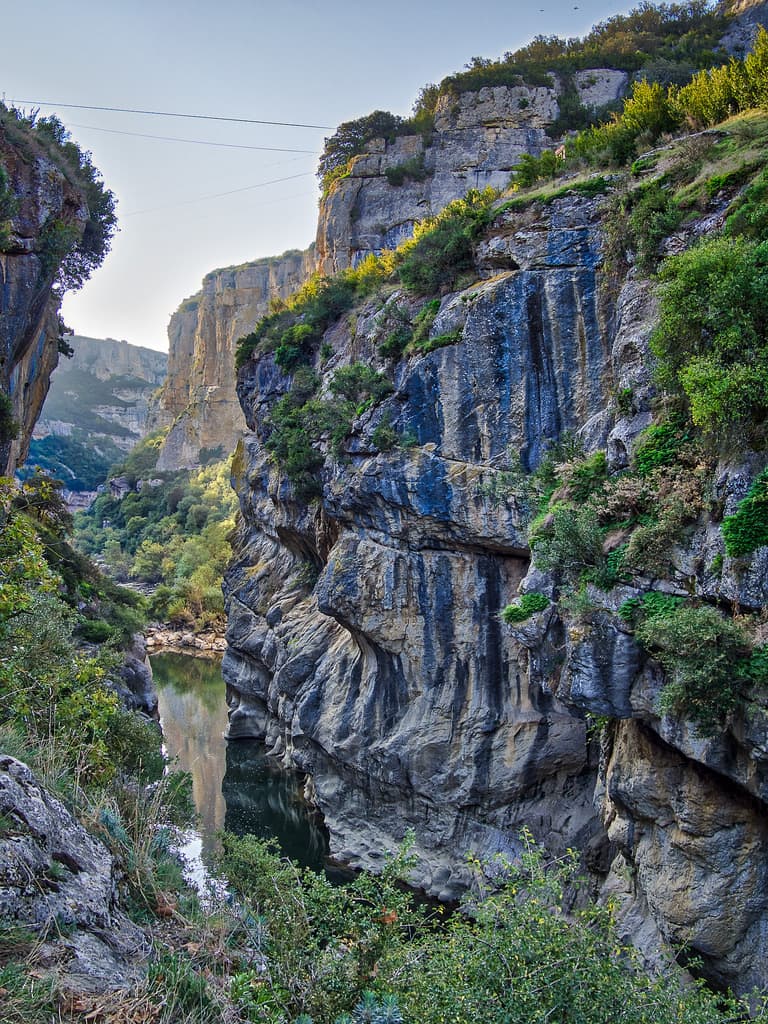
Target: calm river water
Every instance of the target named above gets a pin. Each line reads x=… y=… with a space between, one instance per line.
x=234 y=786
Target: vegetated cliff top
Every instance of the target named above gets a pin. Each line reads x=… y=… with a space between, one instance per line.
x=76 y=251
x=262 y=261
x=57 y=220
x=664 y=43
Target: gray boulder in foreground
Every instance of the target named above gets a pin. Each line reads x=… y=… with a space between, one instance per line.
x=60 y=883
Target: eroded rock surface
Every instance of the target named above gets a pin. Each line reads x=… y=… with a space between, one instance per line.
x=60 y=883
x=29 y=307
x=364 y=636
x=198 y=399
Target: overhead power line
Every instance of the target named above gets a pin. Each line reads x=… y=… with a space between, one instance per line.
x=220 y=195
x=168 y=113
x=193 y=142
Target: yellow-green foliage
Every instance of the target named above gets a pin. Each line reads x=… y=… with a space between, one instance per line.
x=175 y=534
x=50 y=692
x=712 y=339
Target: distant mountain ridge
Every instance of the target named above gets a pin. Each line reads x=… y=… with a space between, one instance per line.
x=95 y=411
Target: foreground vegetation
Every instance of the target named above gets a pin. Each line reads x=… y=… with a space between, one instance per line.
x=169 y=531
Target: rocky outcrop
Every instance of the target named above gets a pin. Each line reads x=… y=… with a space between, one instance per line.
x=748 y=16
x=478 y=138
x=198 y=400
x=133 y=682
x=364 y=635
x=42 y=198
x=61 y=884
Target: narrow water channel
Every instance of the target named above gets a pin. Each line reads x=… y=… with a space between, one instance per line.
x=234 y=785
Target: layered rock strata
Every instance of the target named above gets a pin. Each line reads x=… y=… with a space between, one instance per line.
x=478 y=138
x=198 y=400
x=365 y=643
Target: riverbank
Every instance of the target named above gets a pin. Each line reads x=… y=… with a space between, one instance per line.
x=163 y=637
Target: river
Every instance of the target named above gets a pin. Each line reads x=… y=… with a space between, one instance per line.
x=234 y=785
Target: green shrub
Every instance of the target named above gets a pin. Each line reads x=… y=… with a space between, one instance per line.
x=442 y=248
x=422 y=322
x=527 y=606
x=637 y=221
x=529 y=169
x=712 y=338
x=659 y=445
x=585 y=477
x=570 y=543
x=395 y=343
x=385 y=437
x=358 y=382
x=749 y=216
x=9 y=427
x=412 y=169
x=527 y=946
x=654 y=603
x=706 y=658
x=95 y=631
x=747 y=529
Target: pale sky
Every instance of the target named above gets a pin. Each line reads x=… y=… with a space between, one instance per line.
x=296 y=61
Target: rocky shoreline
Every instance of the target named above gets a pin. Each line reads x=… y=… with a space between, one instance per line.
x=162 y=637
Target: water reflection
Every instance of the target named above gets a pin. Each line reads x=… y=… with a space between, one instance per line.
x=264 y=801
x=234 y=786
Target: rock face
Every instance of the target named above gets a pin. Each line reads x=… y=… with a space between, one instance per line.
x=364 y=635
x=198 y=400
x=29 y=307
x=478 y=138
x=105 y=380
x=97 y=409
x=60 y=883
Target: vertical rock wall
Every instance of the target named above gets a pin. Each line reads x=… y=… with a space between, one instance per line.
x=198 y=400
x=29 y=305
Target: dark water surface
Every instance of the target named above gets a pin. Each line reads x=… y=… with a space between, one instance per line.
x=234 y=785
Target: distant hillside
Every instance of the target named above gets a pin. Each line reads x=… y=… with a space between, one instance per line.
x=95 y=411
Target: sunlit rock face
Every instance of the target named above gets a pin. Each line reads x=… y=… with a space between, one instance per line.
x=198 y=400
x=29 y=305
x=364 y=635
x=477 y=140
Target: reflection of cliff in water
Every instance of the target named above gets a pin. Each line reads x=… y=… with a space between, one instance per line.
x=256 y=795
x=266 y=801
x=193 y=716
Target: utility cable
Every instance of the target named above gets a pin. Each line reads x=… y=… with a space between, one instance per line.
x=220 y=195
x=168 y=113
x=193 y=142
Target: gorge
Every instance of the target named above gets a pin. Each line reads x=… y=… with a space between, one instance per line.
x=500 y=568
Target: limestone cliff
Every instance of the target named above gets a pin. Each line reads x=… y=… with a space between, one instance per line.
x=37 y=196
x=365 y=641
x=198 y=400
x=105 y=389
x=477 y=139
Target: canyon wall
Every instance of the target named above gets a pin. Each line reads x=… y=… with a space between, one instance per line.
x=365 y=641
x=38 y=196
x=104 y=389
x=198 y=402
